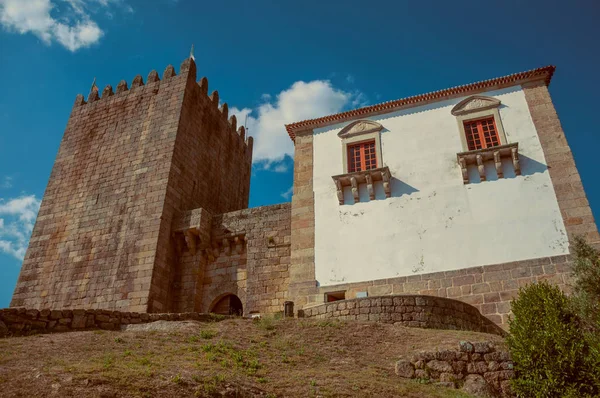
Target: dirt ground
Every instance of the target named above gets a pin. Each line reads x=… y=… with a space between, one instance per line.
x=232 y=358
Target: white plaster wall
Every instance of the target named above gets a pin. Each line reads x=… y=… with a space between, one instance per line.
x=433 y=222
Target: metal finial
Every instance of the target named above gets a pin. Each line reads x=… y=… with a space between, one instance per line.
x=192 y=53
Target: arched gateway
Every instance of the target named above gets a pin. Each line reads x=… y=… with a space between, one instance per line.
x=228 y=304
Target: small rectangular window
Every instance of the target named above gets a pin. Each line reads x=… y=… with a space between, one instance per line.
x=481 y=134
x=335 y=296
x=362 y=156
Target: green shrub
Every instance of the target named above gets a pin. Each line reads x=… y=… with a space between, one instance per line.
x=586 y=294
x=551 y=356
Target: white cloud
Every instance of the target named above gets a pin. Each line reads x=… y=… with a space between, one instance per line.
x=81 y=35
x=16 y=223
x=299 y=102
x=280 y=168
x=288 y=194
x=359 y=99
x=28 y=16
x=73 y=30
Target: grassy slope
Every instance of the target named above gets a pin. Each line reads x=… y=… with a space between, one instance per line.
x=295 y=358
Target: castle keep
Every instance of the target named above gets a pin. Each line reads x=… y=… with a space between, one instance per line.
x=466 y=193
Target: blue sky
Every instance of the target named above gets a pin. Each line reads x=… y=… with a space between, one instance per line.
x=276 y=62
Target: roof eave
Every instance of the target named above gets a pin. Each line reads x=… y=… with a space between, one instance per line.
x=544 y=73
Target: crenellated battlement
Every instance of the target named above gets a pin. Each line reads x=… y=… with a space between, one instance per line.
x=187 y=66
x=122 y=88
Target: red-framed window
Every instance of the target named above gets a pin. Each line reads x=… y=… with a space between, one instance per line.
x=362 y=156
x=481 y=133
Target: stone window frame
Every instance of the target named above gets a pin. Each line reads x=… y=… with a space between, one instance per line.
x=474 y=108
x=357 y=132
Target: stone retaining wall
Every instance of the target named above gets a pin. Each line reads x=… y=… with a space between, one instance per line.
x=472 y=363
x=21 y=321
x=489 y=288
x=408 y=310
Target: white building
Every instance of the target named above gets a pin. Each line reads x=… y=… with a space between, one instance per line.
x=417 y=195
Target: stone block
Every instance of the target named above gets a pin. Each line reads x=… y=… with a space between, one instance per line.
x=421 y=374
x=3 y=329
x=380 y=290
x=102 y=318
x=37 y=325
x=79 y=320
x=440 y=366
x=405 y=369
x=55 y=314
x=492 y=378
x=477 y=386
x=446 y=355
x=493 y=366
x=479 y=367
x=459 y=367
x=483 y=347
x=465 y=346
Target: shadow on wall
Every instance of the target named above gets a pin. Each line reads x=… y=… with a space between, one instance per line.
x=398 y=188
x=529 y=167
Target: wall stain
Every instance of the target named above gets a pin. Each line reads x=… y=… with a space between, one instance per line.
x=420 y=266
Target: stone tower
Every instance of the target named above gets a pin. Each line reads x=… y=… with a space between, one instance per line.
x=129 y=163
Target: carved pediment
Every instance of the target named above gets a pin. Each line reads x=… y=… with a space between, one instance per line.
x=475 y=103
x=360 y=127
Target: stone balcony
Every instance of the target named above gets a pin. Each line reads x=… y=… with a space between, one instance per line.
x=363 y=177
x=479 y=156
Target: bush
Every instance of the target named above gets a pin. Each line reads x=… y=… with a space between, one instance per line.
x=586 y=294
x=552 y=358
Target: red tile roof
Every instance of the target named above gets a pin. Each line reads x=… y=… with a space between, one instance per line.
x=485 y=85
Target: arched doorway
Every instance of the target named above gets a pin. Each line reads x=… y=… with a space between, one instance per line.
x=230 y=304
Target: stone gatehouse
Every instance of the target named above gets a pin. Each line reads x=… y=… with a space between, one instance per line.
x=465 y=193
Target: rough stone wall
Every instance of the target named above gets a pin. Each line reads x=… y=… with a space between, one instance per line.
x=186 y=285
x=302 y=269
x=255 y=269
x=94 y=242
x=210 y=169
x=572 y=201
x=454 y=368
x=211 y=161
x=22 y=321
x=408 y=310
x=260 y=275
x=128 y=165
x=489 y=288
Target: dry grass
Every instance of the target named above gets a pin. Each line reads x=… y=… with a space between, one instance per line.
x=291 y=358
